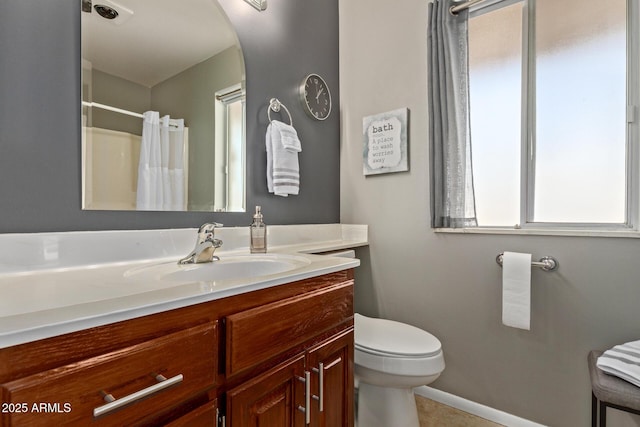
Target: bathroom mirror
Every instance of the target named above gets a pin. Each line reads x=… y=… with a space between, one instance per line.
x=163 y=107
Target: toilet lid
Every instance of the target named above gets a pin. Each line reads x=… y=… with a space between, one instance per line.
x=387 y=337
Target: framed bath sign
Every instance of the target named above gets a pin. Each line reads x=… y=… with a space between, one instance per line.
x=385 y=142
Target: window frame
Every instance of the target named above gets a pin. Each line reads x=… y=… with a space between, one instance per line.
x=223 y=100
x=528 y=141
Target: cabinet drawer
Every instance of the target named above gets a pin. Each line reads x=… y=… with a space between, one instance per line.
x=258 y=334
x=70 y=394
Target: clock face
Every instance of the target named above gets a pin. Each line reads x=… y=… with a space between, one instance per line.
x=315 y=97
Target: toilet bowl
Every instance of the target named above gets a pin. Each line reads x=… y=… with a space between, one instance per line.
x=391 y=358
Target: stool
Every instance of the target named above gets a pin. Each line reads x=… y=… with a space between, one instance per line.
x=611 y=392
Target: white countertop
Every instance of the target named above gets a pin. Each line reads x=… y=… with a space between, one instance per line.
x=55 y=283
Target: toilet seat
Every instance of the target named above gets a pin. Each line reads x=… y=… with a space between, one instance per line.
x=396 y=348
x=390 y=338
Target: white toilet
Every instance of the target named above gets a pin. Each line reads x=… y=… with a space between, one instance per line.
x=391 y=358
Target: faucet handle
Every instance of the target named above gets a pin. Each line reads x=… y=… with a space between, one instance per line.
x=208 y=227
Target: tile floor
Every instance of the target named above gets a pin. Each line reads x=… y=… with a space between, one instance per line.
x=435 y=414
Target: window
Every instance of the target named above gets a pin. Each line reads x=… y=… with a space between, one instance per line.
x=230 y=150
x=551 y=130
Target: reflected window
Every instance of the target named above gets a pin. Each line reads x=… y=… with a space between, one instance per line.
x=230 y=153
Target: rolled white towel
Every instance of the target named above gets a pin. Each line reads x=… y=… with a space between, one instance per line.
x=622 y=361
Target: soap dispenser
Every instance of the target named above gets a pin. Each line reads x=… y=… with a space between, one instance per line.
x=258 y=231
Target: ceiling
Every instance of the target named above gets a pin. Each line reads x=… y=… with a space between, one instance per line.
x=152 y=40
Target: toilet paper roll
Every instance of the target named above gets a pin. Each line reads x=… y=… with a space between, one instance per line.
x=516 y=290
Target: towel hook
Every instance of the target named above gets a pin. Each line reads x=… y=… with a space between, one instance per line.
x=275 y=105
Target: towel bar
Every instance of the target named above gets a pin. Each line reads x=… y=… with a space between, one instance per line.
x=546 y=263
x=275 y=105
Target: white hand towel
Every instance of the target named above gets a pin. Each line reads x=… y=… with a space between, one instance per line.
x=283 y=174
x=290 y=140
x=623 y=361
x=516 y=290
x=269 y=147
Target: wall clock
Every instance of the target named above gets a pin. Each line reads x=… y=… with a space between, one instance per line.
x=315 y=97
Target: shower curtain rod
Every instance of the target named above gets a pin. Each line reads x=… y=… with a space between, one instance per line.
x=117 y=110
x=462 y=6
x=110 y=108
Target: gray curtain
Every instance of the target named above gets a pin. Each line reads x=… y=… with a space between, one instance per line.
x=452 y=197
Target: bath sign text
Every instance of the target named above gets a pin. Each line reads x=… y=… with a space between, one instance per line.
x=385 y=142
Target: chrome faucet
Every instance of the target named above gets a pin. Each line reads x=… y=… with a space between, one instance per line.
x=205 y=245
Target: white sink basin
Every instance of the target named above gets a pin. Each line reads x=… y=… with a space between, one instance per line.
x=227 y=268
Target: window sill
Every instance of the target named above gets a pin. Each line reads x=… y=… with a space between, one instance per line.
x=542 y=232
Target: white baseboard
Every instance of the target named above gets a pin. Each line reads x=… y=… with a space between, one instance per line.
x=474 y=408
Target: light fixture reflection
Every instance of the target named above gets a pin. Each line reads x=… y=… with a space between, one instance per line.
x=258 y=4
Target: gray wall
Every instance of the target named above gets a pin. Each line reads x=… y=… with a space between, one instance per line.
x=450 y=284
x=190 y=95
x=40 y=179
x=113 y=90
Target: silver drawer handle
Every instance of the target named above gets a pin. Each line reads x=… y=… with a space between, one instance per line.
x=307 y=397
x=320 y=371
x=114 y=403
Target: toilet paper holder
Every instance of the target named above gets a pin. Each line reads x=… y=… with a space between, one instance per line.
x=547 y=263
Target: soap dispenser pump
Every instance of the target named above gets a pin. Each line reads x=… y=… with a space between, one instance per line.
x=258 y=231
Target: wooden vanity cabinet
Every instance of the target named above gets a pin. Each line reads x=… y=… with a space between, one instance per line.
x=239 y=358
x=315 y=385
x=278 y=397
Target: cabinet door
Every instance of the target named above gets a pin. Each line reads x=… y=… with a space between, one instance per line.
x=203 y=416
x=331 y=365
x=271 y=399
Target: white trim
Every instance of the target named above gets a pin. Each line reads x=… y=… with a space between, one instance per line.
x=527 y=113
x=542 y=232
x=474 y=408
x=633 y=125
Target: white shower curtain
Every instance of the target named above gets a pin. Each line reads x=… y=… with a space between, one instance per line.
x=161 y=167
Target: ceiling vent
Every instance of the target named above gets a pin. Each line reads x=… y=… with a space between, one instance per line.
x=108 y=9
